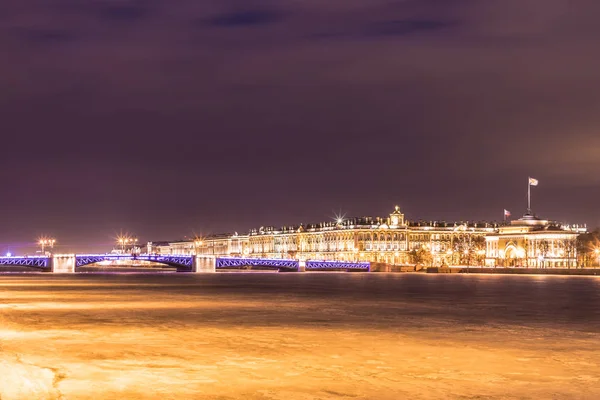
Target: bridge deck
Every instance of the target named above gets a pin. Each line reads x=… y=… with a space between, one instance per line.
x=187 y=262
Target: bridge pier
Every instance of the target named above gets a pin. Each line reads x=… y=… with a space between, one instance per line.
x=62 y=264
x=204 y=264
x=302 y=266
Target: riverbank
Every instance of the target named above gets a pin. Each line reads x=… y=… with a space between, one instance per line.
x=514 y=271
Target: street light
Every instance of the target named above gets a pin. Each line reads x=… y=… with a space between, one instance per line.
x=124 y=241
x=46 y=242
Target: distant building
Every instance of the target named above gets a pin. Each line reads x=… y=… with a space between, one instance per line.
x=527 y=242
x=162 y=248
x=389 y=240
x=180 y=247
x=533 y=242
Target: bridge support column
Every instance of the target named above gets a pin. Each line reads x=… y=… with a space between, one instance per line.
x=302 y=266
x=62 y=264
x=204 y=264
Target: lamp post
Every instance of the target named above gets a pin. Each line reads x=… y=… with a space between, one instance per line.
x=124 y=241
x=45 y=242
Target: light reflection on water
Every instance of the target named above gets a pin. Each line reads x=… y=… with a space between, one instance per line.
x=298 y=336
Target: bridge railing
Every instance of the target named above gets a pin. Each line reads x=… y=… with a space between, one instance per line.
x=225 y=262
x=329 y=265
x=184 y=260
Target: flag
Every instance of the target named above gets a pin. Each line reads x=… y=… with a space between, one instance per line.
x=533 y=182
x=506 y=213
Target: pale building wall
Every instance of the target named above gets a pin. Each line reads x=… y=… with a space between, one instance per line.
x=534 y=243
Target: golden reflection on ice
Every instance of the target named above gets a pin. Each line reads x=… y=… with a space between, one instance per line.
x=143 y=343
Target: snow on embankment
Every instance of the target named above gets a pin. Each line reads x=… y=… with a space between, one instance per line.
x=22 y=381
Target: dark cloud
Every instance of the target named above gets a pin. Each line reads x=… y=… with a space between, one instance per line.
x=109 y=10
x=36 y=36
x=125 y=12
x=405 y=27
x=246 y=18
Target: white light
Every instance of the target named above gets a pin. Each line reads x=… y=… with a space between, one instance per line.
x=9 y=254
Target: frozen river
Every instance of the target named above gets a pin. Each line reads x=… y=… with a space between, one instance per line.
x=299 y=336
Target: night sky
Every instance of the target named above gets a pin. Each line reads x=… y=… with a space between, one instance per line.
x=165 y=118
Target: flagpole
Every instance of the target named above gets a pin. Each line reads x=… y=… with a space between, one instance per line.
x=528 y=195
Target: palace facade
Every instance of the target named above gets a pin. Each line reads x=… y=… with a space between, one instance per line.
x=533 y=242
x=392 y=240
x=389 y=240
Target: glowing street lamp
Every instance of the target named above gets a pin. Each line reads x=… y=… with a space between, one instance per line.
x=125 y=241
x=46 y=242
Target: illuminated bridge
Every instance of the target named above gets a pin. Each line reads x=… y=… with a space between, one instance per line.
x=268 y=263
x=183 y=262
x=68 y=263
x=40 y=263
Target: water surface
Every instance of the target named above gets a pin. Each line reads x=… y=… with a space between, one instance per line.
x=299 y=336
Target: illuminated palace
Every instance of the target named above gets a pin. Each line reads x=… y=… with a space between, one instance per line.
x=389 y=240
x=533 y=242
x=393 y=240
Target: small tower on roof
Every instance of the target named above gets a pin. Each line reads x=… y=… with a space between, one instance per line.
x=396 y=217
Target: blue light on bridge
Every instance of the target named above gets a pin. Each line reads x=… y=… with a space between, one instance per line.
x=236 y=262
x=34 y=261
x=187 y=262
x=329 y=265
